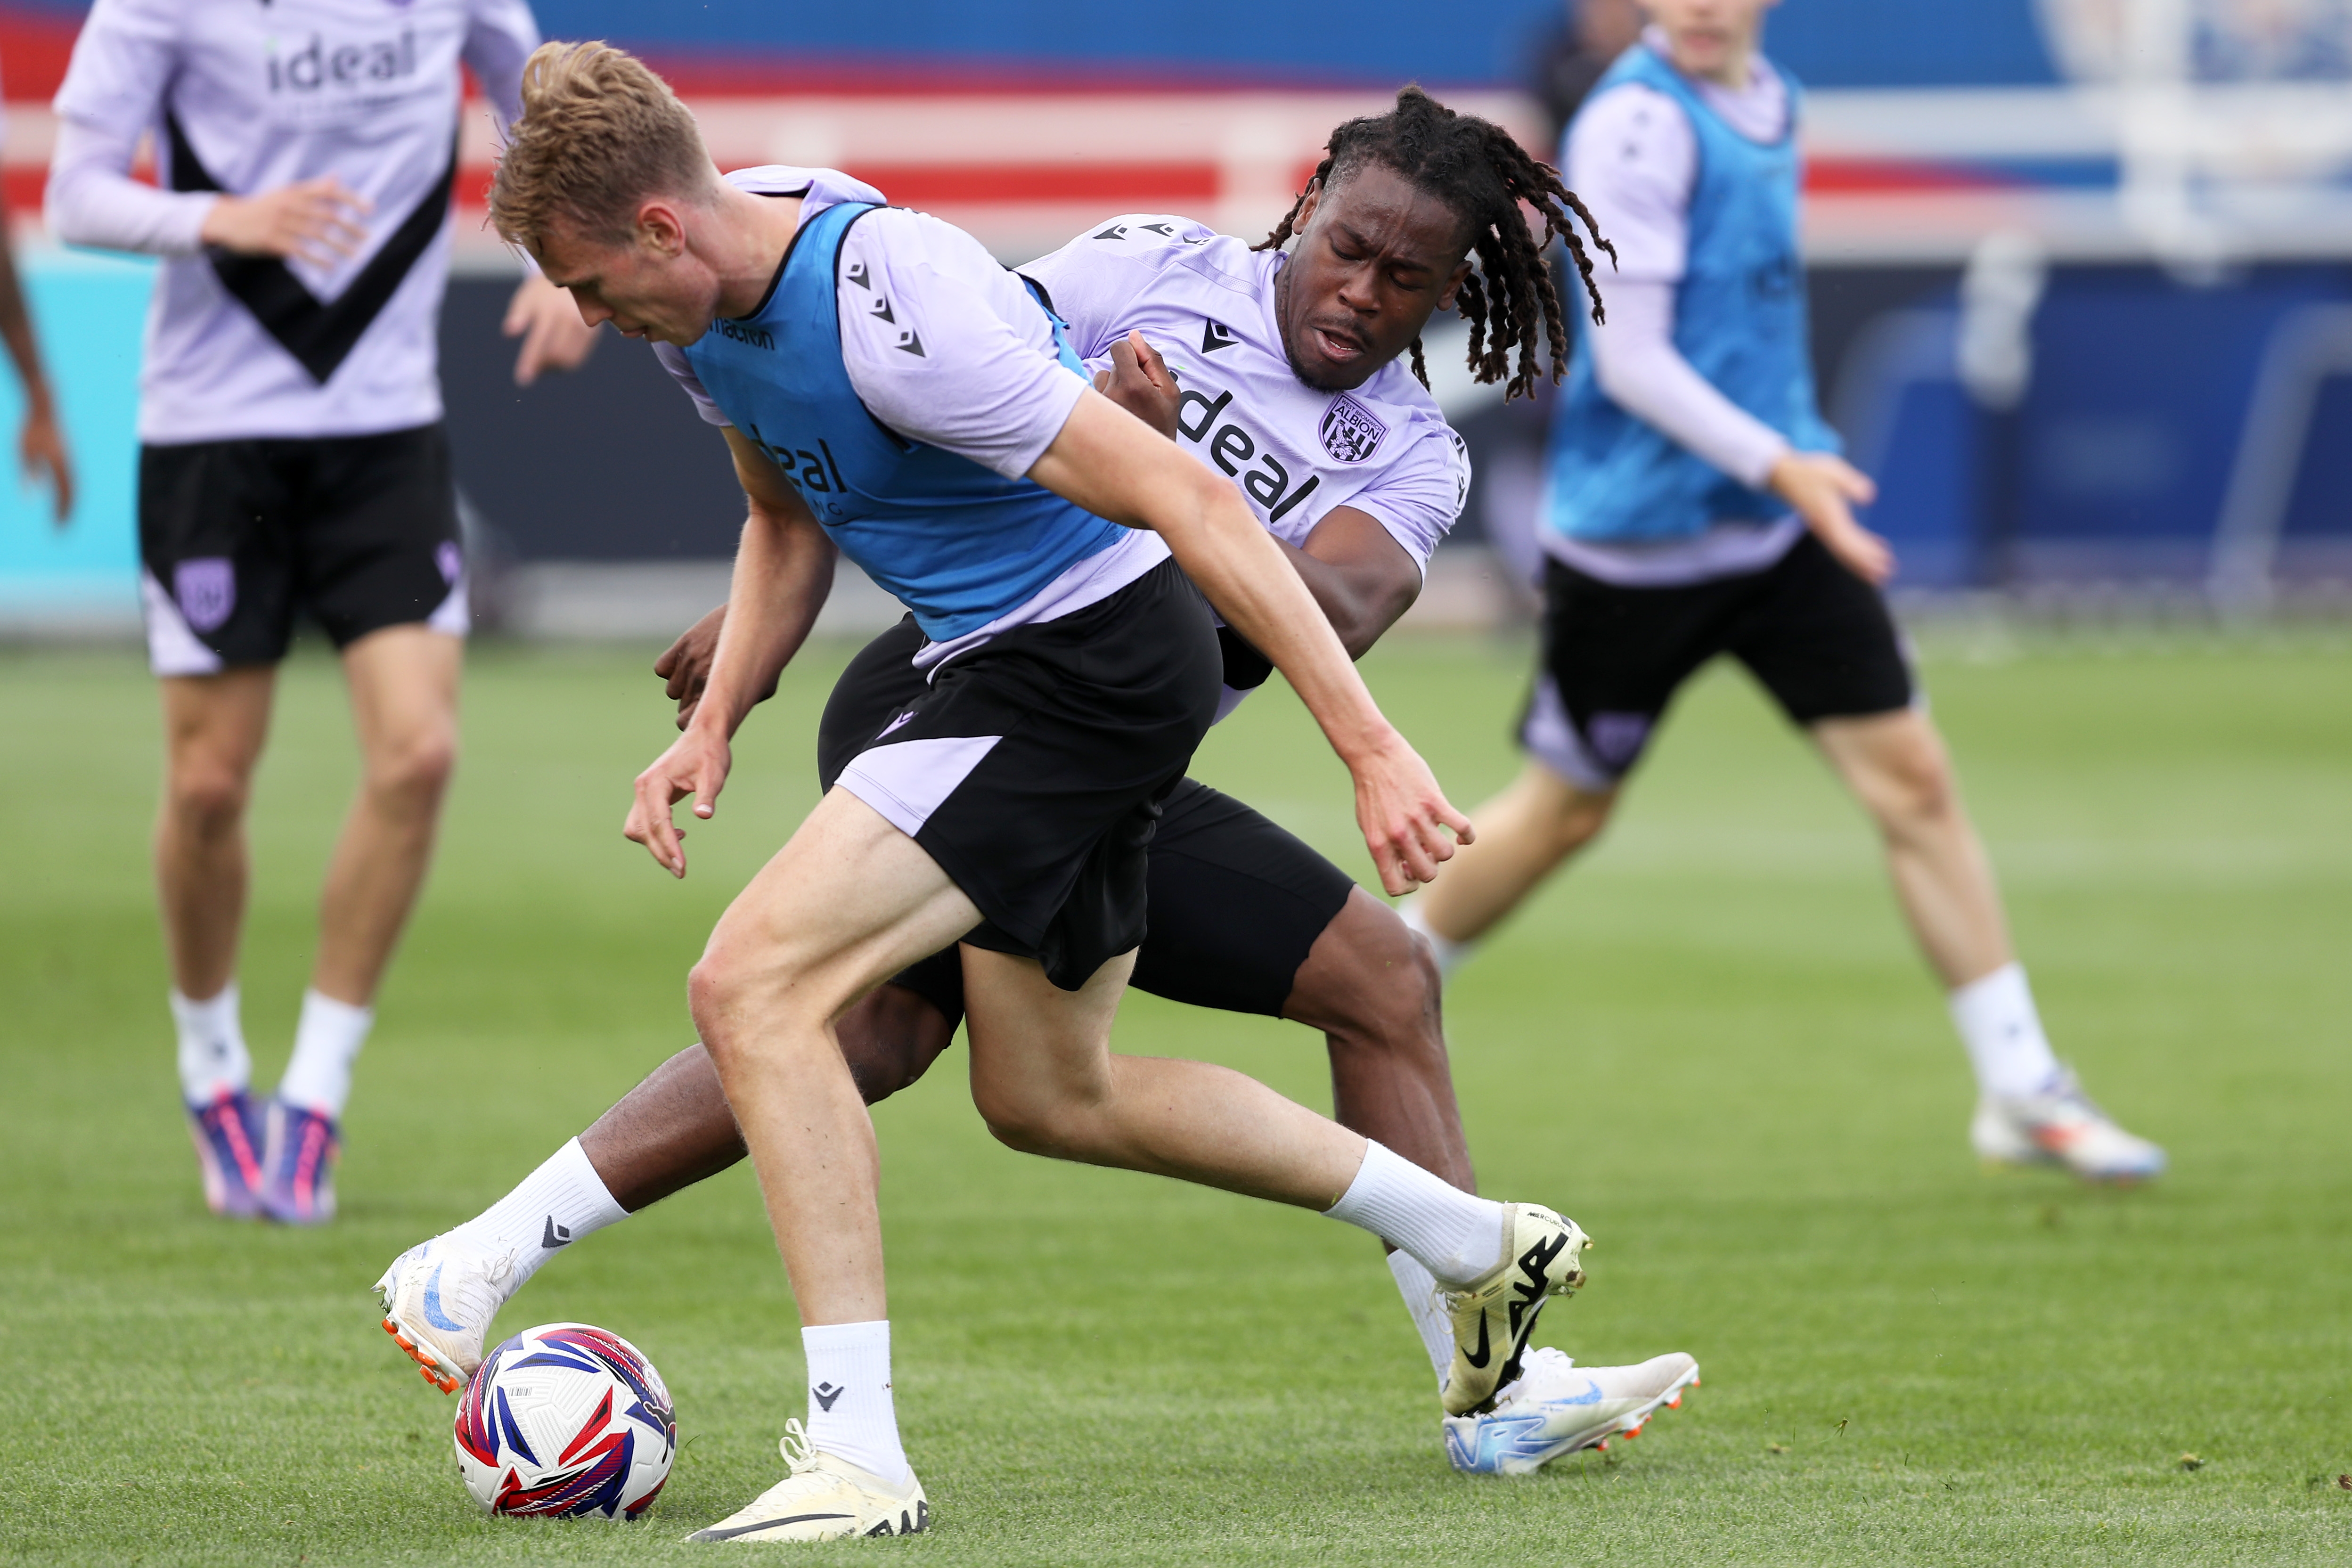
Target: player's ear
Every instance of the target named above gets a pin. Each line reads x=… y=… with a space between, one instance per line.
x=1453 y=284
x=1306 y=205
x=660 y=230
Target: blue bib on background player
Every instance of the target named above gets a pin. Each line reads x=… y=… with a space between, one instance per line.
x=955 y=544
x=1739 y=319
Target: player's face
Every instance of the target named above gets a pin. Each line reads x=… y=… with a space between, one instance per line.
x=1708 y=36
x=1375 y=257
x=646 y=288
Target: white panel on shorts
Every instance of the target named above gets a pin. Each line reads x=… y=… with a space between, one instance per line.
x=1551 y=739
x=907 y=780
x=456 y=615
x=172 y=648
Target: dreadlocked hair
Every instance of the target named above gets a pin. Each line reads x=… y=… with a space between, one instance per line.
x=1477 y=168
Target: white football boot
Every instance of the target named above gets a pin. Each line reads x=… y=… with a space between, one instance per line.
x=1557 y=1407
x=1494 y=1314
x=824 y=1498
x=2061 y=1126
x=439 y=1297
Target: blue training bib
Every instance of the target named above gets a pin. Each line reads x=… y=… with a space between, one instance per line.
x=1739 y=319
x=957 y=544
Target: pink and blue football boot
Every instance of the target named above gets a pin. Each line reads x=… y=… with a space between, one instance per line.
x=227 y=1134
x=299 y=1166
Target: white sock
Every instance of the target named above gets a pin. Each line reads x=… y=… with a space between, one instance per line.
x=549 y=1210
x=1456 y=1235
x=1450 y=954
x=213 y=1057
x=1419 y=1288
x=850 y=1411
x=326 y=1043
x=2004 y=1034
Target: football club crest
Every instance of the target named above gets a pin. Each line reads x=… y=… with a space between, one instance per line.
x=1350 y=434
x=205 y=587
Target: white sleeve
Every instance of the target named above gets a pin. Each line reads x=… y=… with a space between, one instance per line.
x=946 y=347
x=1632 y=158
x=673 y=360
x=1419 y=500
x=1635 y=361
x=1094 y=279
x=121 y=65
x=500 y=37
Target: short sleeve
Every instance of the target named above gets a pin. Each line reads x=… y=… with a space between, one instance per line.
x=1420 y=496
x=673 y=360
x=500 y=37
x=1094 y=279
x=1632 y=158
x=948 y=348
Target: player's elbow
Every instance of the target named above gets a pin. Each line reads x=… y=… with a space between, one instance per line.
x=1372 y=610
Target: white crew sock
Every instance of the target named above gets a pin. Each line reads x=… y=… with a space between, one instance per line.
x=1450 y=954
x=1997 y=1023
x=549 y=1210
x=1419 y=1288
x=1456 y=1235
x=326 y=1043
x=213 y=1057
x=850 y=1411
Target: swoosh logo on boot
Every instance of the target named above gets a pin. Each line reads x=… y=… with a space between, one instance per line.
x=1485 y=1352
x=433 y=1301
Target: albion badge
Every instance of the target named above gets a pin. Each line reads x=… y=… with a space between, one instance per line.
x=1350 y=434
x=205 y=586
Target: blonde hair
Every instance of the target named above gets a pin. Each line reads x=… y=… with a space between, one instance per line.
x=599 y=134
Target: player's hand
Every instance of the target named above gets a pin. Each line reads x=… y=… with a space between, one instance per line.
x=41 y=449
x=1823 y=489
x=696 y=764
x=1140 y=381
x=686 y=665
x=315 y=221
x=553 y=336
x=1404 y=816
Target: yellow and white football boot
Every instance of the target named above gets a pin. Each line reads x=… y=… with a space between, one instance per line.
x=824 y=1498
x=1494 y=1315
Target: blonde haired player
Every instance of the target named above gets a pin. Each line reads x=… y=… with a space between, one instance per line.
x=893 y=394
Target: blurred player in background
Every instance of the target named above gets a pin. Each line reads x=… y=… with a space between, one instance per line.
x=1350 y=463
x=40 y=443
x=1697 y=507
x=291 y=459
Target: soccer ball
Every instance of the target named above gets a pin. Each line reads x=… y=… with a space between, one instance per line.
x=566 y=1421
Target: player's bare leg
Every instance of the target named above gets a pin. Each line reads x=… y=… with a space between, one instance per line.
x=403 y=690
x=1523 y=835
x=2031 y=1108
x=213 y=726
x=1896 y=766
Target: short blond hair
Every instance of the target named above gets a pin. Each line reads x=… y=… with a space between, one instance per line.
x=599 y=134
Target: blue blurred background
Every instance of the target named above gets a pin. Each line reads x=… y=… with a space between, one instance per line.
x=2084 y=310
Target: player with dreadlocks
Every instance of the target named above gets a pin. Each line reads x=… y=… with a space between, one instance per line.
x=1279 y=366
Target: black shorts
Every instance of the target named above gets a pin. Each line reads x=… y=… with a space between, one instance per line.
x=1032 y=768
x=1816 y=636
x=236 y=536
x=1235 y=903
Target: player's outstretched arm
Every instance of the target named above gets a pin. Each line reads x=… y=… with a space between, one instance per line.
x=783 y=569
x=1113 y=466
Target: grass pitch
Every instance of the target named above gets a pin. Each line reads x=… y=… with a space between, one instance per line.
x=1711 y=1043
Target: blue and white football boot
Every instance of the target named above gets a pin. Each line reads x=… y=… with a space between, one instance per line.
x=227 y=1134
x=1557 y=1407
x=439 y=1297
x=297 y=1165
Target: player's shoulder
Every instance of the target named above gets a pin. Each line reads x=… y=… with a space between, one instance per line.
x=1157 y=241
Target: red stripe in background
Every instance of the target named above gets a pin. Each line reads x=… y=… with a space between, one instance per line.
x=1884 y=177
x=918 y=184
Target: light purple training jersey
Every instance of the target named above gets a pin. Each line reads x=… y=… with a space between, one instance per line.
x=255 y=95
x=1205 y=301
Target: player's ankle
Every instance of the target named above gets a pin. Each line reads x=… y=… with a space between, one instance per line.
x=1456 y=1235
x=851 y=1414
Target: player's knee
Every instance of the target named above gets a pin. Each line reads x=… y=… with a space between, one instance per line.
x=416 y=769
x=208 y=798
x=1913 y=786
x=1021 y=1123
x=1578 y=817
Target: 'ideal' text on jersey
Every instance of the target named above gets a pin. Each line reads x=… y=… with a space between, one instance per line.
x=958 y=545
x=1206 y=302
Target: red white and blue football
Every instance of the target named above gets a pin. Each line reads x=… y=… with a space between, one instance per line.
x=566 y=1421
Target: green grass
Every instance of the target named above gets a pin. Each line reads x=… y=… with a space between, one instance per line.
x=1712 y=1043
